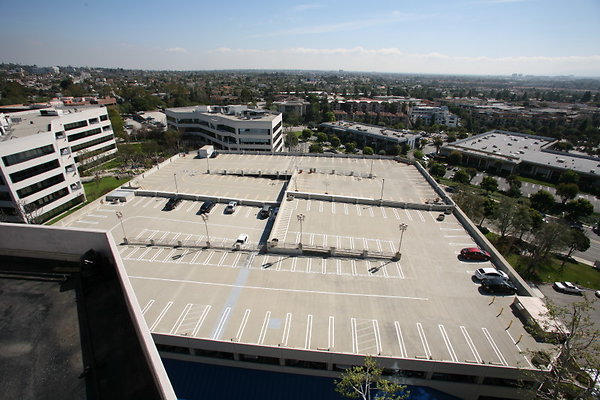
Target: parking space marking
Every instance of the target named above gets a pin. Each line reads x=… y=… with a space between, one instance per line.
x=408 y=215
x=240 y=332
x=193 y=261
x=147 y=306
x=420 y=214
x=308 y=337
x=383 y=212
x=157 y=205
x=81 y=221
x=324 y=266
x=371 y=212
x=494 y=347
x=461 y=244
x=191 y=206
x=426 y=348
x=331 y=333
x=448 y=343
x=181 y=318
x=353 y=331
x=218 y=330
x=160 y=250
x=263 y=329
x=400 y=339
x=144 y=253
x=471 y=345
x=377 y=336
x=366 y=334
x=286 y=329
x=395 y=213
x=400 y=271
x=148 y=202
x=358 y=211
x=201 y=320
x=222 y=259
x=307 y=205
x=160 y=316
x=309 y=262
x=354 y=272
x=137 y=202
x=333 y=207
x=320 y=206
x=207 y=261
x=294 y=261
x=345 y=209
x=312 y=239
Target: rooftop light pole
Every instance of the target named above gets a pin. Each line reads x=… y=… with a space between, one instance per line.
x=176 y=189
x=207 y=165
x=402 y=230
x=301 y=218
x=205 y=219
x=382 y=183
x=120 y=216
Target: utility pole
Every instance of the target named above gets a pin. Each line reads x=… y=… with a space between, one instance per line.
x=398 y=255
x=301 y=218
x=205 y=219
x=176 y=189
x=120 y=217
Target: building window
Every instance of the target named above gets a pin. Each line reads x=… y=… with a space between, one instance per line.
x=27 y=155
x=5 y=196
x=81 y=135
x=9 y=211
x=103 y=117
x=91 y=143
x=75 y=125
x=106 y=128
x=39 y=186
x=33 y=171
x=93 y=121
x=225 y=128
x=39 y=203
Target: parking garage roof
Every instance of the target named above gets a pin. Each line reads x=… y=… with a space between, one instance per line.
x=425 y=306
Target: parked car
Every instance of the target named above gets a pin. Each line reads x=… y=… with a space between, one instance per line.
x=242 y=239
x=230 y=207
x=473 y=253
x=489 y=273
x=441 y=217
x=597 y=293
x=206 y=207
x=265 y=212
x=567 y=287
x=172 y=203
x=498 y=285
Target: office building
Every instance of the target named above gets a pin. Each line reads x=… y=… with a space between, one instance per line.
x=229 y=127
x=40 y=153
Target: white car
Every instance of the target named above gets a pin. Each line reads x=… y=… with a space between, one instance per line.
x=242 y=239
x=230 y=207
x=488 y=273
x=567 y=287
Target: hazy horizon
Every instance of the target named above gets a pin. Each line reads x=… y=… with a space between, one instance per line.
x=466 y=37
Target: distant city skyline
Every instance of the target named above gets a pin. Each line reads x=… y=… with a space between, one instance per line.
x=480 y=37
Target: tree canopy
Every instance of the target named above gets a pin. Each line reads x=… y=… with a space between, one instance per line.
x=366 y=382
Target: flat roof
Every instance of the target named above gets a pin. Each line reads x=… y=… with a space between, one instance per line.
x=426 y=306
x=257 y=114
x=373 y=130
x=527 y=148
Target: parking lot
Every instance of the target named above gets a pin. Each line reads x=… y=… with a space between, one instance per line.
x=427 y=305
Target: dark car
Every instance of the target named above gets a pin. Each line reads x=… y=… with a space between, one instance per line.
x=473 y=253
x=172 y=203
x=498 y=285
x=265 y=212
x=206 y=207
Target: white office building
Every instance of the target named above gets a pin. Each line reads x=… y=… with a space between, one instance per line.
x=40 y=151
x=229 y=127
x=434 y=115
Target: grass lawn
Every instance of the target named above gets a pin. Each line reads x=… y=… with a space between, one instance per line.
x=537 y=182
x=95 y=189
x=112 y=164
x=551 y=271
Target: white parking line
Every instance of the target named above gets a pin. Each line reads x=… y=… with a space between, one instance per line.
x=308 y=205
x=222 y=259
x=410 y=218
x=471 y=345
x=144 y=253
x=294 y=261
x=420 y=214
x=97 y=216
x=195 y=257
x=358 y=211
x=345 y=209
x=494 y=346
x=323 y=266
x=191 y=206
x=377 y=336
x=395 y=213
x=424 y=340
x=148 y=202
x=371 y=212
x=181 y=318
x=353 y=262
x=308 y=338
x=333 y=207
x=263 y=329
x=383 y=212
x=240 y=332
x=147 y=306
x=160 y=316
x=217 y=333
x=81 y=221
x=400 y=339
x=448 y=343
x=201 y=320
x=331 y=334
x=286 y=329
x=354 y=338
x=321 y=206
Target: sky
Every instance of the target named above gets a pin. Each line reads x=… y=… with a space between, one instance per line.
x=482 y=37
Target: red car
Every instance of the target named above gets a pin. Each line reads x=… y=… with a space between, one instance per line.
x=473 y=253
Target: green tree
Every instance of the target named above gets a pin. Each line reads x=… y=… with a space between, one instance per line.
x=542 y=201
x=579 y=208
x=490 y=208
x=579 y=350
x=366 y=382
x=418 y=154
x=335 y=141
x=472 y=173
x=306 y=134
x=172 y=138
x=461 y=176
x=471 y=203
x=578 y=241
x=506 y=217
x=321 y=137
x=455 y=158
x=437 y=170
x=489 y=184
x=291 y=140
x=328 y=116
x=315 y=148
x=438 y=142
x=117 y=122
x=550 y=237
x=350 y=147
x=569 y=176
x=368 y=151
x=567 y=191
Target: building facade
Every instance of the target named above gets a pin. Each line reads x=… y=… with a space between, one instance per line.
x=229 y=127
x=40 y=152
x=434 y=115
